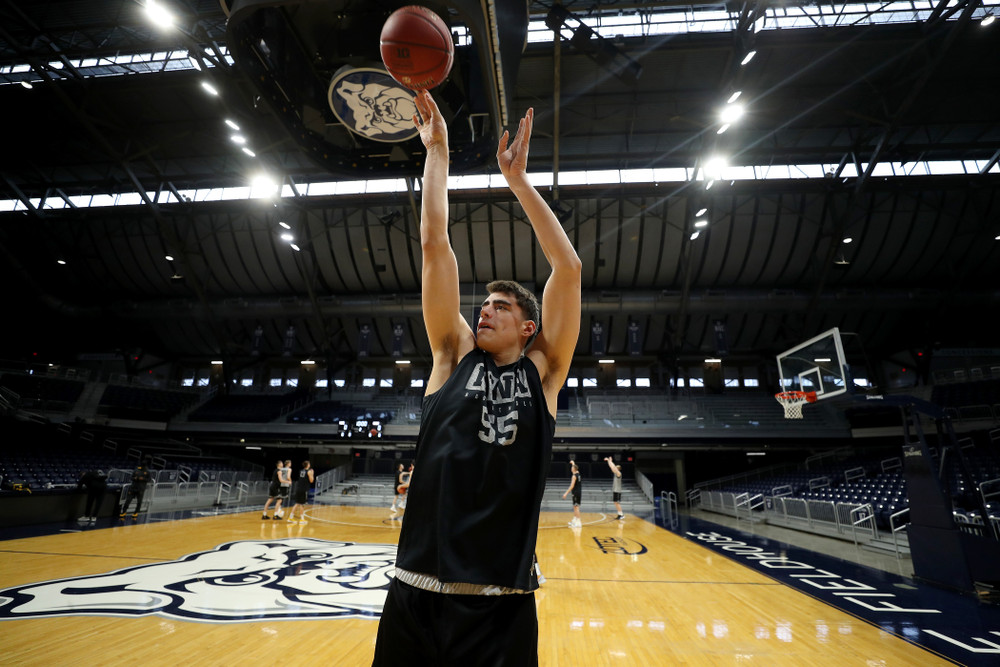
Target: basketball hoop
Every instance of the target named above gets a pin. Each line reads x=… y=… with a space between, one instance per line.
x=792 y=401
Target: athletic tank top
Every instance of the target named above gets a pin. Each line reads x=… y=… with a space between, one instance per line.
x=482 y=454
x=274 y=477
x=578 y=487
x=303 y=481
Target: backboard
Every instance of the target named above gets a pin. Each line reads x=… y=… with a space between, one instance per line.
x=816 y=365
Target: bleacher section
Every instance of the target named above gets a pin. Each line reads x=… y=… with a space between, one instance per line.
x=331 y=412
x=969 y=400
x=870 y=493
x=249 y=408
x=124 y=402
x=38 y=392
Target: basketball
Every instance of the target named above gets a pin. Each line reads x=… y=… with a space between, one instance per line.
x=416 y=47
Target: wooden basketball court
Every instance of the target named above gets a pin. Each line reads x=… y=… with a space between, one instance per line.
x=616 y=593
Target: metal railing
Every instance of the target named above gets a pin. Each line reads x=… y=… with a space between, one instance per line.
x=894 y=529
x=668 y=508
x=863 y=516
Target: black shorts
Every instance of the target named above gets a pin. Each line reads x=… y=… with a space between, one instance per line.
x=576 y=499
x=616 y=496
x=274 y=490
x=301 y=496
x=419 y=627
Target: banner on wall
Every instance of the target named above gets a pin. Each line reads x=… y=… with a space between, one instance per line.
x=364 y=341
x=634 y=339
x=597 y=345
x=397 y=340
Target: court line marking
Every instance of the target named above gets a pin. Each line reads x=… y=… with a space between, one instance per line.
x=77 y=555
x=668 y=581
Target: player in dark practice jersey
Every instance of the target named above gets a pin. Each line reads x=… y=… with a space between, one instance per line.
x=274 y=493
x=300 y=492
x=576 y=488
x=136 y=489
x=464 y=580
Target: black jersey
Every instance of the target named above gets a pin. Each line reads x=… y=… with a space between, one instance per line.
x=578 y=486
x=482 y=456
x=303 y=481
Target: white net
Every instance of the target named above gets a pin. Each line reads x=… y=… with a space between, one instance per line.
x=792 y=402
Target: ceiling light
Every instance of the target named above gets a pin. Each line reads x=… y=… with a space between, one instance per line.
x=735 y=96
x=712 y=360
x=262 y=185
x=700 y=223
x=402 y=362
x=209 y=88
x=232 y=125
x=27 y=84
x=605 y=361
x=284 y=225
x=249 y=152
x=216 y=363
x=287 y=237
x=988 y=19
x=847 y=239
x=722 y=129
x=695 y=235
x=713 y=167
x=708 y=186
x=308 y=362
x=748 y=57
x=159 y=14
x=61 y=262
x=169 y=258
x=295 y=247
x=238 y=139
x=701 y=211
x=731 y=113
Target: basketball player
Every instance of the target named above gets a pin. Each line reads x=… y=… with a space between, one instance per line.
x=274 y=493
x=136 y=490
x=300 y=492
x=285 y=479
x=576 y=487
x=404 y=485
x=395 y=486
x=616 y=486
x=464 y=580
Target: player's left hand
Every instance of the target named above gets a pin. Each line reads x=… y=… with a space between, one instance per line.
x=513 y=159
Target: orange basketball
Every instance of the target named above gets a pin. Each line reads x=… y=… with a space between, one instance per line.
x=416 y=47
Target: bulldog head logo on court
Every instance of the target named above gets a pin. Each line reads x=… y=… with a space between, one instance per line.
x=289 y=579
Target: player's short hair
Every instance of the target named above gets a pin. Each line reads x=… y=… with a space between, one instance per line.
x=524 y=298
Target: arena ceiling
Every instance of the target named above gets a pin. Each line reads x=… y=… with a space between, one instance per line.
x=869 y=105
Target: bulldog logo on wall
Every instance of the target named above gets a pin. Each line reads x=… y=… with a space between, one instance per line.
x=301 y=578
x=370 y=103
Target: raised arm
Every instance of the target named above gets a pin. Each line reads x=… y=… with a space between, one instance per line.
x=449 y=334
x=614 y=468
x=553 y=349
